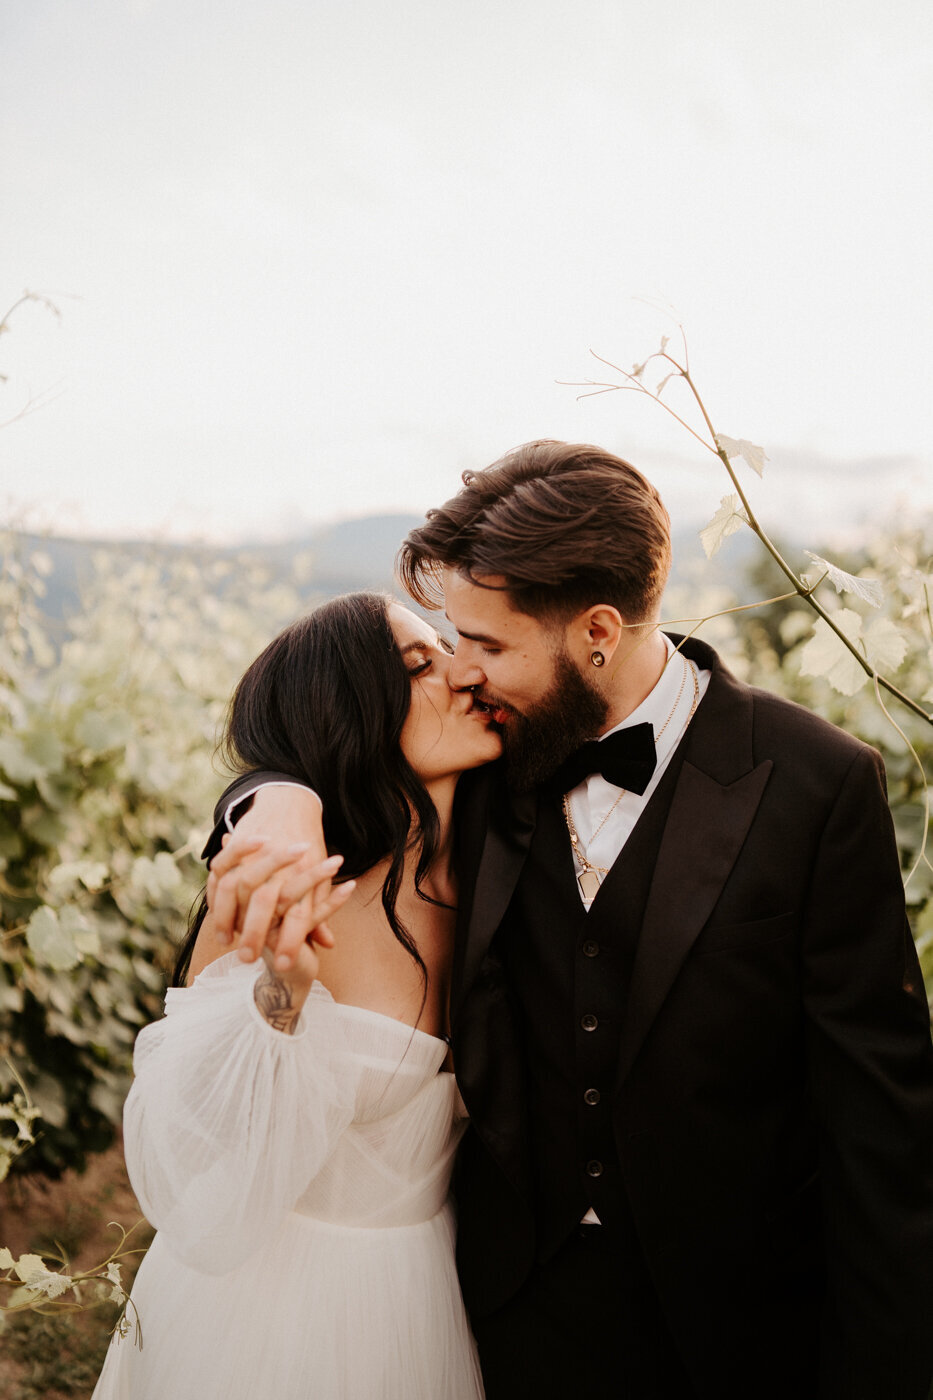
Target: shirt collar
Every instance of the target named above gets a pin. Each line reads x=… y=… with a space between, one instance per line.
x=660 y=701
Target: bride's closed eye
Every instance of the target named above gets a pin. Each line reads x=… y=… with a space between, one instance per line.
x=424 y=665
x=418 y=659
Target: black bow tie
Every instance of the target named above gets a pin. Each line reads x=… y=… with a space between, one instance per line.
x=626 y=758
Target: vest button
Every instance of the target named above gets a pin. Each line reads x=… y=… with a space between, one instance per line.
x=594 y=1168
x=591 y=1096
x=590 y=948
x=589 y=1022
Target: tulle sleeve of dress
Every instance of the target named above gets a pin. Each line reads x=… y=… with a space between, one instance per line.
x=228 y=1119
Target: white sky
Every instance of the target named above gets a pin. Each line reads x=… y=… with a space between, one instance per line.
x=313 y=259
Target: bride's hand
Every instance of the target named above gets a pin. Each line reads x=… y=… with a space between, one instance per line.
x=262 y=876
x=282 y=987
x=267 y=896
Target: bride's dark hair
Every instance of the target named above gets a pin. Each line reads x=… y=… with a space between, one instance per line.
x=325 y=703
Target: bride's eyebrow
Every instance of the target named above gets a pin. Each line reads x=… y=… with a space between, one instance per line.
x=439 y=643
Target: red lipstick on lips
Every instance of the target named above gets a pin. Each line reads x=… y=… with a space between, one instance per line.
x=497 y=713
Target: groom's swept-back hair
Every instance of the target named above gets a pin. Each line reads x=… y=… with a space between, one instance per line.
x=564 y=524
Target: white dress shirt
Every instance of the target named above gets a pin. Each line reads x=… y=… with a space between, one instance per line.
x=668 y=708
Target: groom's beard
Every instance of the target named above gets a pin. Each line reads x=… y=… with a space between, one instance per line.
x=537 y=742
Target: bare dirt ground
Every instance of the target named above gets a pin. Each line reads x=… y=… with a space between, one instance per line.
x=57 y=1356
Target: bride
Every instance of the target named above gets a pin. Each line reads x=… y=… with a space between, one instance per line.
x=291 y=1129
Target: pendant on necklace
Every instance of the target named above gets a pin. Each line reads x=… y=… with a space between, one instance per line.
x=589 y=883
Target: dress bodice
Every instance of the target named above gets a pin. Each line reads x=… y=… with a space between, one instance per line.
x=232 y=1125
x=392 y=1164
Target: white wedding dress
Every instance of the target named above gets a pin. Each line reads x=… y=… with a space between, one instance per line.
x=299 y=1188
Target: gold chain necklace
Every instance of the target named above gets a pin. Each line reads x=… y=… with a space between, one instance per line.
x=591 y=876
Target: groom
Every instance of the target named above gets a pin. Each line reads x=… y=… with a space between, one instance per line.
x=688 y=1020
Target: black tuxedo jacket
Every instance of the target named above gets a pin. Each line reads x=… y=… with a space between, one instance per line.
x=773 y=1107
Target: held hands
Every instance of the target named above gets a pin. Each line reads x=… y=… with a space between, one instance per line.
x=274 y=900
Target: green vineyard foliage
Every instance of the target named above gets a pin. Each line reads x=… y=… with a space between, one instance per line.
x=108 y=724
x=107 y=731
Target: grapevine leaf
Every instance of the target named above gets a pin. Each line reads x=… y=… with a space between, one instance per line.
x=16 y=762
x=885 y=644
x=40 y=1279
x=729 y=517
x=46 y=749
x=868 y=589
x=153 y=879
x=92 y=874
x=741 y=447
x=826 y=655
x=51 y=944
x=87 y=942
x=76 y=926
x=6 y=1259
x=30 y=1267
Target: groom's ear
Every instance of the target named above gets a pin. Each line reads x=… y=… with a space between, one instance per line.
x=597 y=628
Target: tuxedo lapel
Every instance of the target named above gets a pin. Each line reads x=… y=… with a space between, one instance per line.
x=487 y=1049
x=714 y=803
x=509 y=826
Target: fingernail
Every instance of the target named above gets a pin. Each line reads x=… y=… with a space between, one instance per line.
x=333 y=862
x=246 y=954
x=299 y=848
x=282 y=963
x=347 y=887
x=224 y=937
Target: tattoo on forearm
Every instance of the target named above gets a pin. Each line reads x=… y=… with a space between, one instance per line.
x=275 y=1001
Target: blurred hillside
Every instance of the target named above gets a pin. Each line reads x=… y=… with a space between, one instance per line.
x=351 y=554
x=340 y=558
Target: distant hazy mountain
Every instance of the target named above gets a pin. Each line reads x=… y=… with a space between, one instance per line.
x=352 y=553
x=349 y=555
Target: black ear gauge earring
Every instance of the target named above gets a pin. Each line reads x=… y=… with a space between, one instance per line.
x=597 y=658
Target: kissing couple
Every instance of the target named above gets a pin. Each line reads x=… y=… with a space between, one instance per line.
x=552 y=1026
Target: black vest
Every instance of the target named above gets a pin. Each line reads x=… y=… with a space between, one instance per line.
x=569 y=971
